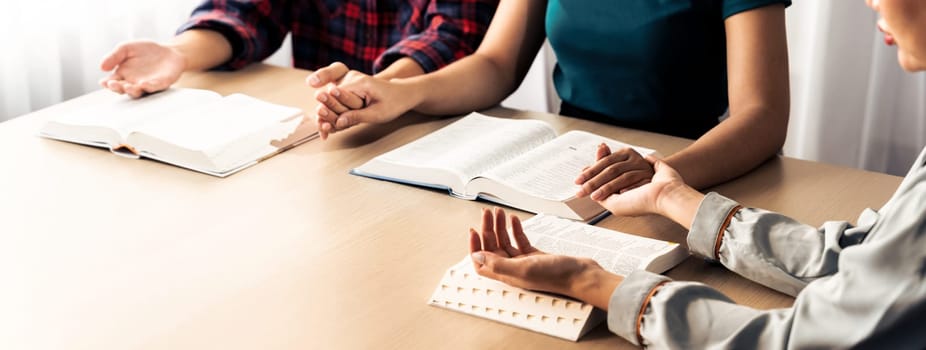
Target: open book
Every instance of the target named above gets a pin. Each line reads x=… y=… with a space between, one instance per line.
x=190 y=128
x=518 y=163
x=462 y=289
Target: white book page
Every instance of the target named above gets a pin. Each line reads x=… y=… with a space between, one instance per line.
x=124 y=114
x=210 y=127
x=617 y=252
x=549 y=171
x=472 y=145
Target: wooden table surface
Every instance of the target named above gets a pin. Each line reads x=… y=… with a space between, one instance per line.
x=103 y=252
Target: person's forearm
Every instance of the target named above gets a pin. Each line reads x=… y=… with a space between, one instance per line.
x=402 y=68
x=479 y=83
x=732 y=148
x=201 y=48
x=757 y=70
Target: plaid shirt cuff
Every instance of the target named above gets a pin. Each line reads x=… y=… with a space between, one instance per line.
x=232 y=29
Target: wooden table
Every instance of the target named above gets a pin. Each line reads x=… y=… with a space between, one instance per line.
x=102 y=252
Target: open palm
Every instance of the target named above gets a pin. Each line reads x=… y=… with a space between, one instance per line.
x=523 y=265
x=142 y=67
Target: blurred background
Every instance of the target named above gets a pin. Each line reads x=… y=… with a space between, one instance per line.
x=851 y=104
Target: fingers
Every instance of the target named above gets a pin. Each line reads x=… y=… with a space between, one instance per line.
x=524 y=245
x=105 y=81
x=347 y=99
x=330 y=74
x=114 y=58
x=605 y=158
x=325 y=119
x=133 y=90
x=613 y=173
x=330 y=122
x=475 y=243
x=115 y=86
x=356 y=116
x=602 y=165
x=603 y=151
x=607 y=184
x=489 y=239
x=332 y=103
x=501 y=233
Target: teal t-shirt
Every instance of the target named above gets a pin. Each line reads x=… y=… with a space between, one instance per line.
x=659 y=65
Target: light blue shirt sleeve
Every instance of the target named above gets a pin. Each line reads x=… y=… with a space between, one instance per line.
x=856 y=286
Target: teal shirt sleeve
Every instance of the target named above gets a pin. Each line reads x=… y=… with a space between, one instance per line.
x=732 y=7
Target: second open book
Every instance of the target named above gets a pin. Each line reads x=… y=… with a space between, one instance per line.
x=518 y=163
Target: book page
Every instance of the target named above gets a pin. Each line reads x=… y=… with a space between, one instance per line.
x=211 y=126
x=617 y=252
x=549 y=171
x=472 y=145
x=124 y=114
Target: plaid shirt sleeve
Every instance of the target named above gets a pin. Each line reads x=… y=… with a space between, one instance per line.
x=454 y=30
x=254 y=28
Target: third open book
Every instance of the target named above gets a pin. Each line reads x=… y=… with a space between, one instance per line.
x=462 y=289
x=190 y=128
x=518 y=163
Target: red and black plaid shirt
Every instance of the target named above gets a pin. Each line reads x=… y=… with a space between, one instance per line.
x=367 y=35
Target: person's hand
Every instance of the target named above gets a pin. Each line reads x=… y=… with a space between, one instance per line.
x=645 y=199
x=326 y=81
x=523 y=265
x=350 y=97
x=141 y=67
x=616 y=172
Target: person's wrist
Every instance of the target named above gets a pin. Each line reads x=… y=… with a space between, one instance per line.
x=678 y=201
x=593 y=284
x=178 y=55
x=667 y=193
x=409 y=88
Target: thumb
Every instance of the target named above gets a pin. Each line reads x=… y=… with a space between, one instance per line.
x=489 y=264
x=658 y=164
x=114 y=58
x=330 y=74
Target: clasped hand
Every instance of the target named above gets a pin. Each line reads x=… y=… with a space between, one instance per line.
x=626 y=183
x=348 y=97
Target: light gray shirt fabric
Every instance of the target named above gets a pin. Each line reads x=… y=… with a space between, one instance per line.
x=860 y=286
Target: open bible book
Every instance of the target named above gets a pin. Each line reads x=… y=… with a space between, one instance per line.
x=462 y=289
x=190 y=128
x=517 y=163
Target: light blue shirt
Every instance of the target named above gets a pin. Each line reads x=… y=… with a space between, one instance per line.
x=858 y=286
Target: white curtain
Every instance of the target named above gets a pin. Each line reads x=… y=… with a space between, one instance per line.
x=52 y=49
x=851 y=103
